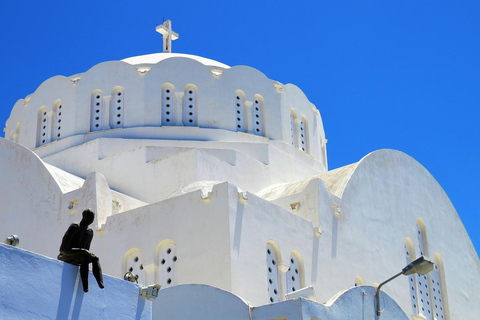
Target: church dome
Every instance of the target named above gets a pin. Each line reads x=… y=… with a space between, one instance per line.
x=168 y=96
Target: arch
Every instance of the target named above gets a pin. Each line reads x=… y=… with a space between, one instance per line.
x=295 y=273
x=258 y=115
x=166 y=261
x=273 y=259
x=304 y=132
x=412 y=281
x=117 y=107
x=42 y=127
x=168 y=105
x=240 y=111
x=190 y=98
x=97 y=111
x=133 y=262
x=57 y=120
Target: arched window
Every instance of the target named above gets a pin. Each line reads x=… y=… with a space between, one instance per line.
x=168 y=105
x=437 y=279
x=42 y=125
x=57 y=120
x=304 y=143
x=96 y=111
x=117 y=107
x=258 y=115
x=295 y=272
x=166 y=263
x=412 y=281
x=240 y=111
x=423 y=282
x=133 y=262
x=190 y=97
x=273 y=261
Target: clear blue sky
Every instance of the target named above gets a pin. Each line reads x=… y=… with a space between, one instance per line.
x=384 y=74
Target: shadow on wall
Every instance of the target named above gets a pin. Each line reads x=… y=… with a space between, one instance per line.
x=69 y=285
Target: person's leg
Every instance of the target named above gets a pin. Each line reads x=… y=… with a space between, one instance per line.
x=84 y=275
x=97 y=272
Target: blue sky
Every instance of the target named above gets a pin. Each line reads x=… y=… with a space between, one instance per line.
x=384 y=74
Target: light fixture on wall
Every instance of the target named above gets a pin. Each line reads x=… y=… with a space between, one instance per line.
x=12 y=240
x=420 y=266
x=150 y=292
x=130 y=277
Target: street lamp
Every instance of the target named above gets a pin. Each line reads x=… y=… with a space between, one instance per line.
x=420 y=266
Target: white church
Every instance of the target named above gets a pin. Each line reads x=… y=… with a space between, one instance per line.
x=212 y=181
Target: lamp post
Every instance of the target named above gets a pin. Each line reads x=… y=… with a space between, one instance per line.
x=420 y=266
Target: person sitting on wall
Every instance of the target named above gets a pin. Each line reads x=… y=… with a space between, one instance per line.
x=75 y=246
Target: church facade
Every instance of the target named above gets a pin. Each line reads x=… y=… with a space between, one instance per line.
x=205 y=174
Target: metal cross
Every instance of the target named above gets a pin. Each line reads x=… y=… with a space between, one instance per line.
x=168 y=35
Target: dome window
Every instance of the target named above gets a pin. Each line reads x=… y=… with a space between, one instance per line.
x=258 y=112
x=117 y=108
x=190 y=106
x=96 y=111
x=42 y=125
x=168 y=105
x=303 y=133
x=239 y=101
x=58 y=111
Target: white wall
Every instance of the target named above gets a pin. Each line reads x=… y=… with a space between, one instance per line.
x=36 y=287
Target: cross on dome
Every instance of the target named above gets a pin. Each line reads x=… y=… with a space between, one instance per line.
x=168 y=35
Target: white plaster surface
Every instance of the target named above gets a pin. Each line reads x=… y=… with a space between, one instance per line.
x=205 y=302
x=36 y=287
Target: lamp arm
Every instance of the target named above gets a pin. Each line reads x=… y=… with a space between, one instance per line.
x=377 y=292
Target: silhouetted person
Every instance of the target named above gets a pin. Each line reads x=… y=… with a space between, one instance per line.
x=75 y=246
